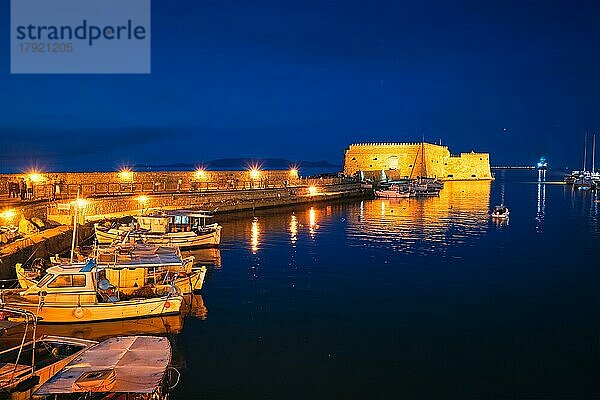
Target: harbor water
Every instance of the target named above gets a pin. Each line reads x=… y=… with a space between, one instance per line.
x=404 y=298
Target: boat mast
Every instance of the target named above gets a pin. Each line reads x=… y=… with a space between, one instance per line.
x=584 y=152
x=75 y=204
x=594 y=154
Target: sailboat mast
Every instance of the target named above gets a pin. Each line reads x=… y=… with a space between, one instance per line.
x=584 y=152
x=594 y=153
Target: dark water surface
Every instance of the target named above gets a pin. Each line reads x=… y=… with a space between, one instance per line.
x=404 y=299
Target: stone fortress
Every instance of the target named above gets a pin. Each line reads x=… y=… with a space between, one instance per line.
x=412 y=160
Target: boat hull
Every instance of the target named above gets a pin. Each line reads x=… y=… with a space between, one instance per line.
x=73 y=313
x=184 y=240
x=391 y=194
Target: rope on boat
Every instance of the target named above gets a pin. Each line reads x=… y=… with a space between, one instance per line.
x=170 y=370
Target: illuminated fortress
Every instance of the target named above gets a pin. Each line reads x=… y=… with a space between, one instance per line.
x=412 y=160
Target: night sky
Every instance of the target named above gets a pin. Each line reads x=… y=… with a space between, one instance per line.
x=302 y=80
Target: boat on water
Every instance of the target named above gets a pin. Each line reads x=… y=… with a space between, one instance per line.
x=542 y=165
x=130 y=266
x=183 y=228
x=30 y=363
x=394 y=190
x=127 y=367
x=75 y=294
x=500 y=212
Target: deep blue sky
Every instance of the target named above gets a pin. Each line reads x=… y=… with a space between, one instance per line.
x=302 y=80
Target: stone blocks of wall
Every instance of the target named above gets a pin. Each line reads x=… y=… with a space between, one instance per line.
x=411 y=160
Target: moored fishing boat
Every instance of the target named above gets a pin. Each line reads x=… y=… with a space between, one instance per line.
x=394 y=190
x=120 y=367
x=131 y=266
x=30 y=363
x=72 y=294
x=185 y=229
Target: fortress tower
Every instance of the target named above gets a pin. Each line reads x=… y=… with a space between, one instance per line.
x=412 y=160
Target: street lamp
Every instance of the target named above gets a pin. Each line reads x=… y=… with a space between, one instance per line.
x=78 y=205
x=126 y=174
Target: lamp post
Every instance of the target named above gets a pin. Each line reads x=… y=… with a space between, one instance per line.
x=78 y=205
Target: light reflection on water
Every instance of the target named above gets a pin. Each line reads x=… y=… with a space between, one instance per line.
x=461 y=211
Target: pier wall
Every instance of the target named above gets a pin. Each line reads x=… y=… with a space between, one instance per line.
x=148 y=181
x=218 y=201
x=411 y=160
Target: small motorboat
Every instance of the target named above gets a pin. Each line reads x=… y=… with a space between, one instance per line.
x=500 y=212
x=128 y=367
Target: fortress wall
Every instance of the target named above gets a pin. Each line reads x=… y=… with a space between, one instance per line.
x=469 y=166
x=402 y=160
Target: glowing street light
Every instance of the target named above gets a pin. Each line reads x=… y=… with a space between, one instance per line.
x=200 y=174
x=8 y=215
x=142 y=199
x=126 y=174
x=35 y=176
x=312 y=190
x=294 y=173
x=255 y=173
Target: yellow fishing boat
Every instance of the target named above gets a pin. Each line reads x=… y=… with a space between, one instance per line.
x=132 y=266
x=75 y=294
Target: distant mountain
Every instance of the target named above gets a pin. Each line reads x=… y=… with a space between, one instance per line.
x=239 y=164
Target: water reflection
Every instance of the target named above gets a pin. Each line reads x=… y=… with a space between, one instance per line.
x=312 y=222
x=210 y=257
x=423 y=225
x=541 y=207
x=293 y=229
x=254 y=235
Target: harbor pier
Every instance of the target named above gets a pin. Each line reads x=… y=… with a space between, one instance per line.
x=105 y=196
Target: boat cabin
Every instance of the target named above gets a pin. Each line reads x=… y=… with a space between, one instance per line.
x=74 y=284
x=174 y=221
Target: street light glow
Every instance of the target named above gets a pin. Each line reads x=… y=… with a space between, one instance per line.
x=8 y=214
x=312 y=190
x=126 y=174
x=294 y=172
x=81 y=203
x=35 y=177
x=200 y=173
x=255 y=173
x=142 y=199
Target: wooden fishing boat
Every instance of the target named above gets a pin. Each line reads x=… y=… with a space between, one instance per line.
x=391 y=190
x=120 y=367
x=185 y=229
x=131 y=266
x=30 y=363
x=75 y=294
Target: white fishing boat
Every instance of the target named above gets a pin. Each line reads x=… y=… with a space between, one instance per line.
x=397 y=189
x=127 y=367
x=185 y=229
x=74 y=294
x=500 y=212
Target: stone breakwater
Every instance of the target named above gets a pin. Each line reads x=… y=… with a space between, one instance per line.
x=127 y=181
x=225 y=201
